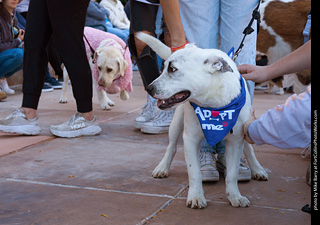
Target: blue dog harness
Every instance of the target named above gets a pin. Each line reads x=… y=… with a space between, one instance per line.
x=216 y=123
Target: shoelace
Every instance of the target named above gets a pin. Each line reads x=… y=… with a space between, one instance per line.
x=206 y=160
x=148 y=108
x=151 y=103
x=163 y=116
x=16 y=113
x=76 y=117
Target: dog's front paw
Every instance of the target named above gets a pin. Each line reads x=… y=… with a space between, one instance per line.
x=196 y=200
x=110 y=102
x=259 y=174
x=63 y=100
x=280 y=92
x=160 y=171
x=239 y=201
x=107 y=105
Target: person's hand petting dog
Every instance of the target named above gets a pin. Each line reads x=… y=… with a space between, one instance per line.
x=296 y=61
x=258 y=74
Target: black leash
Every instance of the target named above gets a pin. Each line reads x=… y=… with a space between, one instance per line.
x=91 y=49
x=306 y=209
x=248 y=30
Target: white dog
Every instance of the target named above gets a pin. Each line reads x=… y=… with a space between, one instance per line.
x=208 y=78
x=110 y=64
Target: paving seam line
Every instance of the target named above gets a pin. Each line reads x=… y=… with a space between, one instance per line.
x=153 y=215
x=29 y=145
x=255 y=206
x=118 y=116
x=54 y=137
x=84 y=188
x=163 y=207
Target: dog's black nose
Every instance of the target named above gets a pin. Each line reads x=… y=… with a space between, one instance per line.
x=151 y=90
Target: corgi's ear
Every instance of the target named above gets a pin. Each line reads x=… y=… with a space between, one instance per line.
x=216 y=63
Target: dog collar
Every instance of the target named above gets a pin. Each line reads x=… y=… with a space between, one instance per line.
x=216 y=123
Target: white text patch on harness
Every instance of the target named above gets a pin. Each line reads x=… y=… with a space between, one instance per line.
x=216 y=123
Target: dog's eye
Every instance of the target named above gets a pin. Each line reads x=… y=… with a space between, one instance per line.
x=109 y=70
x=99 y=67
x=171 y=69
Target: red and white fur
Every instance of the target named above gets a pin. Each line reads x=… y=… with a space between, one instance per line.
x=281 y=32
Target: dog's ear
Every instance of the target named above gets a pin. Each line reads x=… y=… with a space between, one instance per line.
x=124 y=95
x=217 y=63
x=96 y=54
x=123 y=65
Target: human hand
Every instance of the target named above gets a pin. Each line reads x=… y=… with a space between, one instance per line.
x=21 y=35
x=258 y=74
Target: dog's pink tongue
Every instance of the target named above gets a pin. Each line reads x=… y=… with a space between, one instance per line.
x=159 y=102
x=179 y=95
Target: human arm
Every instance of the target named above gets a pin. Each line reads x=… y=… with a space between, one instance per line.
x=97 y=11
x=296 y=61
x=171 y=14
x=9 y=44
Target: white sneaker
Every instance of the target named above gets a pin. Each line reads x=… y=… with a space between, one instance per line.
x=149 y=111
x=244 y=171
x=159 y=124
x=17 y=122
x=208 y=167
x=77 y=126
x=5 y=87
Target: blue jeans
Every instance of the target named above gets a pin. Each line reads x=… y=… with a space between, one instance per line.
x=217 y=149
x=121 y=33
x=11 y=61
x=201 y=26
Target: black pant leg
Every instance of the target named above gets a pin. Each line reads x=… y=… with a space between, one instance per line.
x=143 y=18
x=67 y=21
x=35 y=62
x=54 y=58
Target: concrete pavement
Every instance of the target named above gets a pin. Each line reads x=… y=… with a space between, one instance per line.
x=106 y=179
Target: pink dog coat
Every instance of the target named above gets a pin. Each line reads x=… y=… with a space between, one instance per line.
x=95 y=37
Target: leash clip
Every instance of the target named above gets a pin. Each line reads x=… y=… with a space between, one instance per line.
x=235 y=56
x=93 y=59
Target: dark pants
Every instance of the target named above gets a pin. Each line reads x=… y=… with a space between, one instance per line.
x=64 y=20
x=143 y=18
x=54 y=58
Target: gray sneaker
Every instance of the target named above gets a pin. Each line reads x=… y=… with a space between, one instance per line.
x=208 y=167
x=77 y=126
x=149 y=111
x=159 y=124
x=244 y=171
x=18 y=123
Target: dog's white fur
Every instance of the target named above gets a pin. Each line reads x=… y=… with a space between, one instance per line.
x=213 y=80
x=110 y=63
